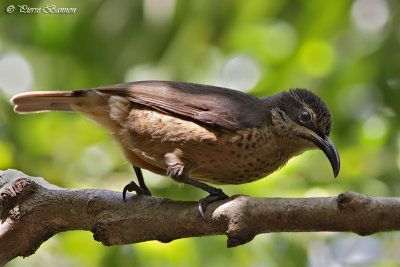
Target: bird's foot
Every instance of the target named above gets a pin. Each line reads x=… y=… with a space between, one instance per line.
x=132 y=186
x=214 y=196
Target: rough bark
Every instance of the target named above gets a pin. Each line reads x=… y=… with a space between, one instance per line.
x=33 y=210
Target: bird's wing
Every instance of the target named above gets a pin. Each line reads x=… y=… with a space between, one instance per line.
x=210 y=105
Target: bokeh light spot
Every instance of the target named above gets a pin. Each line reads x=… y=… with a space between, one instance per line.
x=95 y=161
x=110 y=18
x=359 y=101
x=280 y=40
x=370 y=15
x=374 y=128
x=16 y=74
x=240 y=72
x=158 y=12
x=272 y=41
x=146 y=72
x=317 y=57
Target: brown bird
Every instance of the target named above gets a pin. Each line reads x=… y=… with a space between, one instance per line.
x=198 y=133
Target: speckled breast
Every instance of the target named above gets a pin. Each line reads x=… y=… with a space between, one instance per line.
x=237 y=158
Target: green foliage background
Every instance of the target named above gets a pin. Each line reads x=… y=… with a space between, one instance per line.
x=345 y=51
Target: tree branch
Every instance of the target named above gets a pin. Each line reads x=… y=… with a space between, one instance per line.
x=32 y=211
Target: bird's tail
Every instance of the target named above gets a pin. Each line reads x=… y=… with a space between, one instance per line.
x=89 y=102
x=42 y=101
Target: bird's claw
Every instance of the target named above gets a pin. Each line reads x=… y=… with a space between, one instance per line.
x=128 y=188
x=204 y=202
x=132 y=186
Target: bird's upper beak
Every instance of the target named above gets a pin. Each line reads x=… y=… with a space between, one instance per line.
x=326 y=145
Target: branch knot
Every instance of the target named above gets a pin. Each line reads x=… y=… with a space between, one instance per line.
x=17 y=187
x=352 y=201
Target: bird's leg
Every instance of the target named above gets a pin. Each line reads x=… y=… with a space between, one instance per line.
x=215 y=195
x=140 y=189
x=179 y=171
x=139 y=176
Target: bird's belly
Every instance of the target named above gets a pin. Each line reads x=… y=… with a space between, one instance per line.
x=215 y=156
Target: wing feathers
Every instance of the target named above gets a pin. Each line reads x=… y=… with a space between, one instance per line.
x=205 y=104
x=164 y=105
x=211 y=105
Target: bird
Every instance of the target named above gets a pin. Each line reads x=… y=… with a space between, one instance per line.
x=198 y=134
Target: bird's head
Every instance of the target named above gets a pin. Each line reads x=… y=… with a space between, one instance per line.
x=305 y=119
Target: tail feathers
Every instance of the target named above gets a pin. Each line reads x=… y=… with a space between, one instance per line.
x=33 y=102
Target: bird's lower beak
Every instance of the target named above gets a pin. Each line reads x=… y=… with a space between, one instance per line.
x=326 y=145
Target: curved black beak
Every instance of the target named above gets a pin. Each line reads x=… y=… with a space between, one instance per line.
x=326 y=145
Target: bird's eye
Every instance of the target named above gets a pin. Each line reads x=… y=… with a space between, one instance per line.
x=305 y=116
